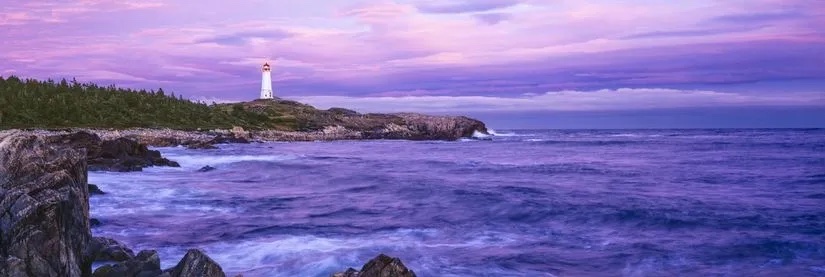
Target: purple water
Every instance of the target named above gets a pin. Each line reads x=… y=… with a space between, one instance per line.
x=527 y=203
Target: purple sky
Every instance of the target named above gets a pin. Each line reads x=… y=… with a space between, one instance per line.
x=434 y=55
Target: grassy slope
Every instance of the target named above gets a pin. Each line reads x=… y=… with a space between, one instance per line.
x=49 y=104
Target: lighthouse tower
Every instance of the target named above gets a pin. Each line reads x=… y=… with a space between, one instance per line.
x=266 y=82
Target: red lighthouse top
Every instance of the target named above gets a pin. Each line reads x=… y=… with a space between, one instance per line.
x=266 y=67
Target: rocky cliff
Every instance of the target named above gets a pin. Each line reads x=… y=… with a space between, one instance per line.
x=44 y=203
x=44 y=218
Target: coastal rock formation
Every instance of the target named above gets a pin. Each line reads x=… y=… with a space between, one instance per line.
x=338 y=123
x=44 y=208
x=120 y=154
x=206 y=168
x=107 y=249
x=146 y=263
x=380 y=266
x=94 y=190
x=196 y=264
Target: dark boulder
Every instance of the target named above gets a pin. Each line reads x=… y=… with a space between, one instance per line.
x=105 y=249
x=94 y=222
x=196 y=264
x=44 y=208
x=206 y=169
x=94 y=190
x=380 y=266
x=122 y=154
x=231 y=138
x=145 y=264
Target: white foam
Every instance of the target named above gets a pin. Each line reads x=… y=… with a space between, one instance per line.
x=197 y=161
x=306 y=255
x=479 y=135
x=497 y=134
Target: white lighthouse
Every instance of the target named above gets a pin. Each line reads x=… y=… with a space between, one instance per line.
x=266 y=82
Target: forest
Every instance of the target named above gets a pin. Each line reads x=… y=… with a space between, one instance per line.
x=31 y=103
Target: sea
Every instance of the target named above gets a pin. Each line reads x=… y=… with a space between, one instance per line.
x=698 y=202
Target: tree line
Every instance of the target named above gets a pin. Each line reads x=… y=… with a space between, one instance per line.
x=31 y=103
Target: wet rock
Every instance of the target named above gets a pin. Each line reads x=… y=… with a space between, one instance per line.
x=380 y=266
x=107 y=249
x=196 y=264
x=145 y=264
x=44 y=208
x=121 y=154
x=94 y=222
x=206 y=169
x=94 y=190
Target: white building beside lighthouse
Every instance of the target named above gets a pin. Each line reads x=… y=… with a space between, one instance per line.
x=266 y=82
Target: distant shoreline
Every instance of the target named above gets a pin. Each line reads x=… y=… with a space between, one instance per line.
x=198 y=139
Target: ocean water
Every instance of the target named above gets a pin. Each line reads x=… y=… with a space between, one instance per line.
x=525 y=203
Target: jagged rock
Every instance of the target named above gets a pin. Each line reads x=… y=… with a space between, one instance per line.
x=94 y=190
x=380 y=266
x=145 y=264
x=121 y=154
x=196 y=264
x=44 y=208
x=107 y=249
x=206 y=169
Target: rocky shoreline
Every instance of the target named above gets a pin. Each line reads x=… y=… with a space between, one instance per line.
x=334 y=126
x=44 y=209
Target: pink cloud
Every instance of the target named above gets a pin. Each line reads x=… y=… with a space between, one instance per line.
x=382 y=45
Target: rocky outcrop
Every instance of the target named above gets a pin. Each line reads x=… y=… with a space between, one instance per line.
x=145 y=264
x=338 y=123
x=196 y=264
x=206 y=168
x=107 y=249
x=428 y=127
x=44 y=208
x=94 y=190
x=380 y=266
x=120 y=154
